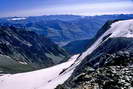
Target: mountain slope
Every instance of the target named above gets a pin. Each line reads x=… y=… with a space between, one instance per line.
x=28 y=48
x=76 y=47
x=110 y=52
x=85 y=75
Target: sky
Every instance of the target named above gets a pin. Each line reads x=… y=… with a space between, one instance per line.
x=72 y=7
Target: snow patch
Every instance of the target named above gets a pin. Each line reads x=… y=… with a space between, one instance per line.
x=122 y=29
x=20 y=18
x=22 y=62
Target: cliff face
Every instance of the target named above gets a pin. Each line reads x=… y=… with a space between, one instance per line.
x=27 y=48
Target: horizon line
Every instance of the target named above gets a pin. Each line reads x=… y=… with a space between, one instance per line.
x=68 y=15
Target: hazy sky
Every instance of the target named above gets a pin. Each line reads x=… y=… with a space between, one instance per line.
x=76 y=7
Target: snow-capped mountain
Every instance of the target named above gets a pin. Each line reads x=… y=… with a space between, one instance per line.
x=117 y=29
x=77 y=68
x=113 y=51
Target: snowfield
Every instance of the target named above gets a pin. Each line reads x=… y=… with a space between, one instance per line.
x=49 y=78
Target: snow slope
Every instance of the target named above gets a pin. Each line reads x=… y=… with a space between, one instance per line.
x=47 y=78
x=118 y=29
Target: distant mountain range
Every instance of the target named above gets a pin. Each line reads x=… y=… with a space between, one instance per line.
x=22 y=50
x=63 y=29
